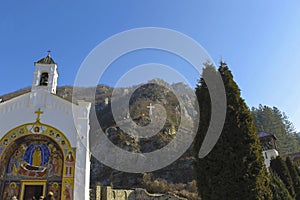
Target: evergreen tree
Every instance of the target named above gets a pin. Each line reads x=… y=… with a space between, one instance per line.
x=280 y=168
x=235 y=168
x=272 y=120
x=295 y=177
x=278 y=188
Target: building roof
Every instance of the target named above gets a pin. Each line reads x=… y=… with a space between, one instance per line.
x=46 y=60
x=263 y=134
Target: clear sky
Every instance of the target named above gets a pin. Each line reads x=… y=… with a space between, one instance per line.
x=259 y=40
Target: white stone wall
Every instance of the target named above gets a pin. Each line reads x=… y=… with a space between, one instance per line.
x=82 y=165
x=108 y=193
x=269 y=155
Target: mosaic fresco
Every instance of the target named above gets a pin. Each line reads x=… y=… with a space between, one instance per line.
x=35 y=157
x=11 y=189
x=35 y=153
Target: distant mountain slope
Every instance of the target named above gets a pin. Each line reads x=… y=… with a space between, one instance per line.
x=177 y=178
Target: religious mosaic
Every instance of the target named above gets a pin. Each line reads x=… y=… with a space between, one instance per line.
x=35 y=157
x=36 y=152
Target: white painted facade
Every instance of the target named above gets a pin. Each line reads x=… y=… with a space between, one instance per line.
x=269 y=155
x=71 y=119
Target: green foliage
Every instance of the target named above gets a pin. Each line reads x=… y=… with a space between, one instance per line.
x=280 y=168
x=295 y=177
x=235 y=168
x=272 y=120
x=278 y=188
x=162 y=186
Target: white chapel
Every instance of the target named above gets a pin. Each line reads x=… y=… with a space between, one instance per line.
x=44 y=141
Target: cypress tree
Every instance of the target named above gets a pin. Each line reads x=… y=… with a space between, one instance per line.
x=235 y=168
x=295 y=177
x=280 y=168
x=278 y=188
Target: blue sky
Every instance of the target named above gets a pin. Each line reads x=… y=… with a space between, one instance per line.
x=259 y=40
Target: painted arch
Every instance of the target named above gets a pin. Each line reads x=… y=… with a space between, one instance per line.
x=36 y=155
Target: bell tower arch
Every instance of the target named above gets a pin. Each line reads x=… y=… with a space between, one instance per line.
x=45 y=75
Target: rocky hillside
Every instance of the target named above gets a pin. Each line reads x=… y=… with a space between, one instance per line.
x=176 y=178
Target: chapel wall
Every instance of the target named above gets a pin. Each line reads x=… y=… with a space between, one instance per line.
x=108 y=193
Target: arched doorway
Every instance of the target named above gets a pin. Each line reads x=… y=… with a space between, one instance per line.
x=35 y=159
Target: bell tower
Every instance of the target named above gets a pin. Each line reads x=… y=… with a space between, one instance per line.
x=45 y=75
x=269 y=147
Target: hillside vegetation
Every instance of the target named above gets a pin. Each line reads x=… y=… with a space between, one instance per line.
x=274 y=121
x=179 y=177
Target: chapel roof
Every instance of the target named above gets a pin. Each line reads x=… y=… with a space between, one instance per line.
x=46 y=60
x=264 y=134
